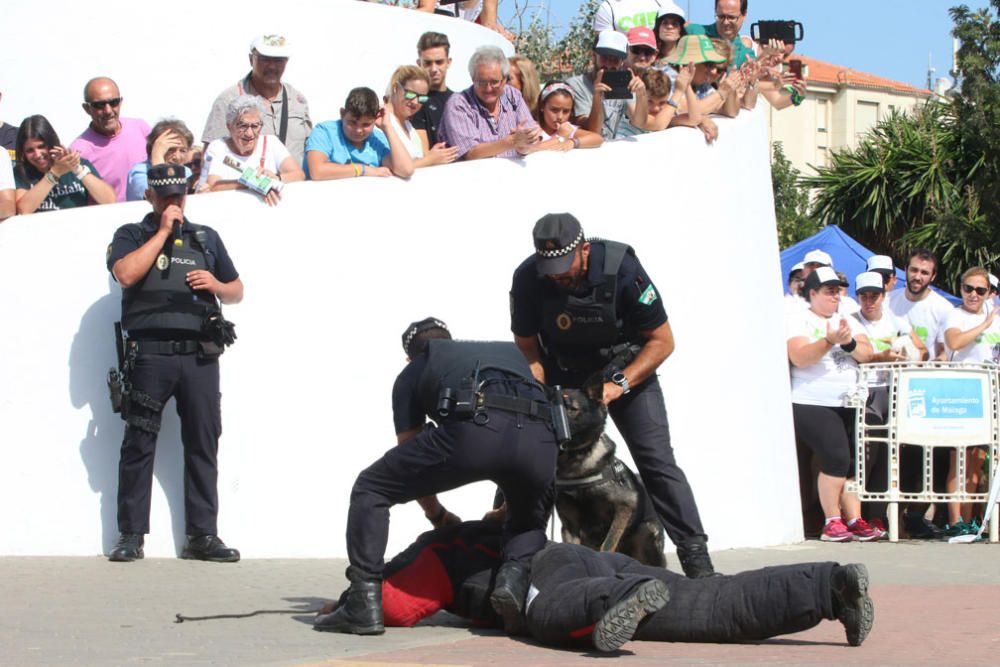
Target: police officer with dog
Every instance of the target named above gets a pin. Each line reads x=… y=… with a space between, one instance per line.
x=582 y=307
x=173 y=274
x=494 y=422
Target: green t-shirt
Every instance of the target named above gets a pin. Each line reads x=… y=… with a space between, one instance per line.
x=741 y=51
x=67 y=193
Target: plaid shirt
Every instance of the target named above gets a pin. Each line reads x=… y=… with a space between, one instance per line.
x=467 y=122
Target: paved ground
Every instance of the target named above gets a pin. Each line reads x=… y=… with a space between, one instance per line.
x=936 y=604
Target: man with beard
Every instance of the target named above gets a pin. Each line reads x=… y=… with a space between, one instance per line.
x=919 y=305
x=581 y=307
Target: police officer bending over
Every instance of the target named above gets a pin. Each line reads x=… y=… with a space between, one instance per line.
x=493 y=422
x=173 y=275
x=580 y=307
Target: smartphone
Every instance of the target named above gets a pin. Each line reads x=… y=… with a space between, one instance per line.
x=618 y=80
x=788 y=32
x=795 y=68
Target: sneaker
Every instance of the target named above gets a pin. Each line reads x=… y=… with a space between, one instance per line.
x=862 y=531
x=959 y=528
x=619 y=623
x=836 y=531
x=920 y=528
x=851 y=603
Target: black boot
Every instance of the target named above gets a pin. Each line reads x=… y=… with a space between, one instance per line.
x=621 y=621
x=509 y=594
x=210 y=548
x=359 y=611
x=128 y=549
x=695 y=561
x=851 y=603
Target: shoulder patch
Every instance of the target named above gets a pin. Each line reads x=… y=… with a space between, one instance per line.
x=648 y=295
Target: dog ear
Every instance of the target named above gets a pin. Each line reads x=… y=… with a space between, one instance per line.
x=593 y=387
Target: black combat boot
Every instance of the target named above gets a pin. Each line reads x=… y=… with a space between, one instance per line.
x=851 y=603
x=509 y=594
x=620 y=622
x=359 y=611
x=210 y=548
x=695 y=561
x=128 y=549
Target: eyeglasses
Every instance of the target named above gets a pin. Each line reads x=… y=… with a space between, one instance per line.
x=97 y=105
x=411 y=95
x=642 y=51
x=253 y=127
x=969 y=289
x=489 y=83
x=193 y=164
x=728 y=18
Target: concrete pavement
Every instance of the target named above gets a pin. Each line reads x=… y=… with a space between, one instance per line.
x=936 y=604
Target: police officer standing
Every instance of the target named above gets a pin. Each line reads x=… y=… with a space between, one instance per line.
x=579 y=308
x=493 y=422
x=173 y=275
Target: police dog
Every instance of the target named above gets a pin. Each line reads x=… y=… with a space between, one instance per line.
x=600 y=502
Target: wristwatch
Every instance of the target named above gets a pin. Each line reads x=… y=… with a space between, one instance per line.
x=622 y=381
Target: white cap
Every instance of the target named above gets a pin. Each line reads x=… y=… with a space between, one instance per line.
x=271 y=46
x=796 y=267
x=824 y=275
x=817 y=257
x=612 y=42
x=869 y=281
x=881 y=263
x=668 y=8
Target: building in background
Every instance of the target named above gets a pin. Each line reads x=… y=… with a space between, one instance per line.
x=841 y=105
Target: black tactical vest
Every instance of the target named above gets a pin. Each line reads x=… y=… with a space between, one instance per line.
x=452 y=362
x=163 y=299
x=575 y=328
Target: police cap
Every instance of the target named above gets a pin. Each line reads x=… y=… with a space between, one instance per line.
x=423 y=325
x=557 y=236
x=168 y=179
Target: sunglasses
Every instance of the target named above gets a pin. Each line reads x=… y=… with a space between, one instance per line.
x=642 y=51
x=410 y=95
x=97 y=105
x=193 y=164
x=969 y=289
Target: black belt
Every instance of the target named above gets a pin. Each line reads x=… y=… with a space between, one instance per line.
x=164 y=346
x=521 y=406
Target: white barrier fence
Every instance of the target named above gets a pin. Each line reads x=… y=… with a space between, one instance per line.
x=333 y=275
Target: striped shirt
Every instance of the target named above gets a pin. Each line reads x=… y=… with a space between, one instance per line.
x=466 y=122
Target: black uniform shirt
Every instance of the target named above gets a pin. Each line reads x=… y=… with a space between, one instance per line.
x=428 y=118
x=407 y=411
x=638 y=304
x=130 y=237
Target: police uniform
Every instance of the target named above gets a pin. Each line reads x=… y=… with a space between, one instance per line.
x=504 y=435
x=170 y=356
x=580 y=333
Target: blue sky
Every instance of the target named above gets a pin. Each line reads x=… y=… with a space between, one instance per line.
x=889 y=38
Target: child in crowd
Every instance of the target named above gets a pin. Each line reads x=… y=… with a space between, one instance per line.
x=554 y=111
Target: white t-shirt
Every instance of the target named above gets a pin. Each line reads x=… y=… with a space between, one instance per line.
x=268 y=146
x=926 y=316
x=848 y=306
x=881 y=333
x=6 y=173
x=409 y=136
x=470 y=14
x=826 y=381
x=623 y=15
x=986 y=347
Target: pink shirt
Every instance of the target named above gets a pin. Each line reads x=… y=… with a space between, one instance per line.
x=114 y=156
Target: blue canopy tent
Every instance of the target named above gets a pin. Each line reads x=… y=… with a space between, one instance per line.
x=848 y=256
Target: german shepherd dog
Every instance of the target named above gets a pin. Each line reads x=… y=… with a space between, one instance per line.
x=600 y=502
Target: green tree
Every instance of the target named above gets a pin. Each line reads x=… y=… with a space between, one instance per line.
x=791 y=200
x=535 y=39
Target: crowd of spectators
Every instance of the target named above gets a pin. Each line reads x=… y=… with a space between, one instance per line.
x=259 y=134
x=828 y=337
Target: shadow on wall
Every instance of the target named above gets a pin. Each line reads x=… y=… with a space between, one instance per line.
x=91 y=355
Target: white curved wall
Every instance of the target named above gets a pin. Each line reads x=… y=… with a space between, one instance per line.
x=332 y=277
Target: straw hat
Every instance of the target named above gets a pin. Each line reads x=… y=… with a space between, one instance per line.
x=694 y=49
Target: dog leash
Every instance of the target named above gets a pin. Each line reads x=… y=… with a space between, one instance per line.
x=180 y=618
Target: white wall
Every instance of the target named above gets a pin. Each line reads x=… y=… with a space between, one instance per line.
x=335 y=273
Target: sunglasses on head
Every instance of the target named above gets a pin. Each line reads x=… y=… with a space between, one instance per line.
x=410 y=95
x=969 y=289
x=100 y=104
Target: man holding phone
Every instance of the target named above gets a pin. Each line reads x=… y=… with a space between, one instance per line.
x=610 y=100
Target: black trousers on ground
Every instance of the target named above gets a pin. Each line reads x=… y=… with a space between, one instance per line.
x=641 y=417
x=576 y=586
x=194 y=384
x=516 y=452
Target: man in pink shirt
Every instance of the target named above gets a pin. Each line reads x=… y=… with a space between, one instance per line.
x=112 y=144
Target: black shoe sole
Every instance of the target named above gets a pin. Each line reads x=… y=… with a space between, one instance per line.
x=327 y=623
x=509 y=609
x=619 y=623
x=857 y=610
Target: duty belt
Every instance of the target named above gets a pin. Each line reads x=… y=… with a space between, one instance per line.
x=163 y=346
x=522 y=406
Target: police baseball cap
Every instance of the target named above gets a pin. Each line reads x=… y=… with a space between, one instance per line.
x=168 y=179
x=557 y=236
x=824 y=275
x=869 y=281
x=881 y=264
x=426 y=324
